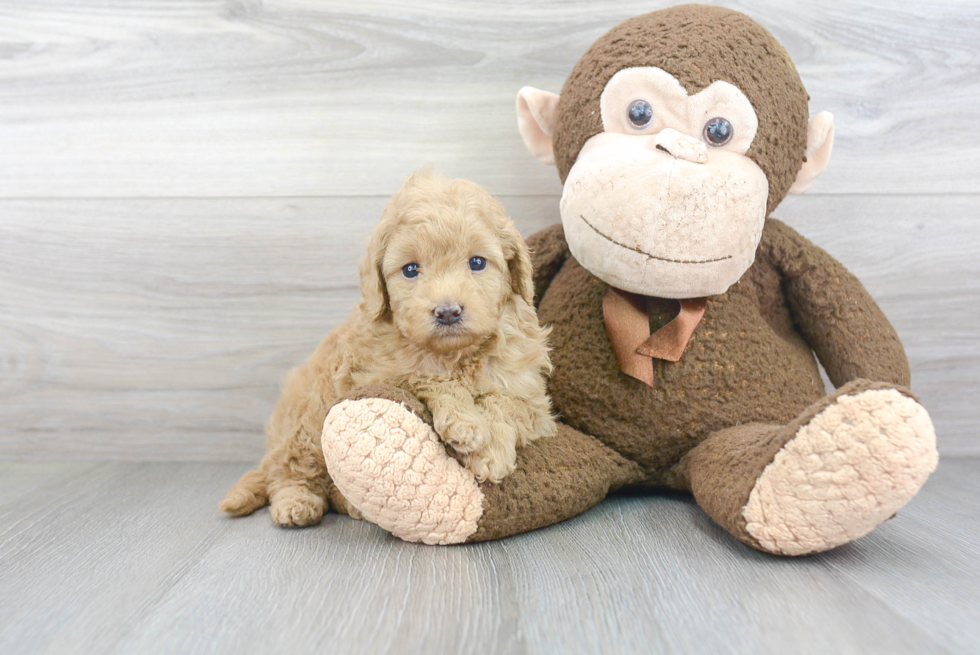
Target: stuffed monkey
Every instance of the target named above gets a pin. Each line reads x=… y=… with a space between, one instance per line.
x=687 y=323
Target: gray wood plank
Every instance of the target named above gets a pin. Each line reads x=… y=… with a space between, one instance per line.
x=23 y=479
x=675 y=582
x=134 y=557
x=160 y=328
x=85 y=558
x=295 y=98
x=933 y=545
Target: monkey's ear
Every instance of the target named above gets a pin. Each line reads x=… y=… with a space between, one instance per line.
x=536 y=112
x=819 y=143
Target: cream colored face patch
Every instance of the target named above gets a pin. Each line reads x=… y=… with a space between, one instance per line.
x=651 y=223
x=659 y=204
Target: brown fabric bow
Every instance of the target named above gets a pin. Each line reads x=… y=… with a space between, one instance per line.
x=628 y=325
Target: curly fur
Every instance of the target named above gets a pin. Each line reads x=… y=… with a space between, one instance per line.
x=483 y=379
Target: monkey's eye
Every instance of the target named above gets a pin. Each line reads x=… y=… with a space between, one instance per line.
x=718 y=131
x=477 y=263
x=410 y=270
x=640 y=113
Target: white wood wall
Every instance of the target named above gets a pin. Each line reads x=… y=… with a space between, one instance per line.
x=185 y=187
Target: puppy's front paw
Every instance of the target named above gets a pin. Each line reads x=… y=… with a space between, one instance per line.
x=466 y=432
x=492 y=464
x=544 y=426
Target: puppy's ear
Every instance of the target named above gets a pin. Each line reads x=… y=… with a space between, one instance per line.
x=374 y=292
x=519 y=263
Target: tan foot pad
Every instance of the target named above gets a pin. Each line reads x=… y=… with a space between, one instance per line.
x=393 y=468
x=847 y=470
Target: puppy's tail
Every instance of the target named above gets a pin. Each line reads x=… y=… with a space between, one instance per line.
x=247 y=495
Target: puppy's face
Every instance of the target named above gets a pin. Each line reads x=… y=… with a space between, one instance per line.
x=447 y=280
x=446 y=259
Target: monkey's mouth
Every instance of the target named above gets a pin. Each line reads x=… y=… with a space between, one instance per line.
x=648 y=255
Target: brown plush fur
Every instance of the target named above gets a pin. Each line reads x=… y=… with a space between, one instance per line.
x=713 y=420
x=697 y=44
x=748 y=361
x=482 y=379
x=555 y=479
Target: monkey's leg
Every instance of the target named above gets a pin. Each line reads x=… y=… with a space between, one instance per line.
x=385 y=458
x=845 y=465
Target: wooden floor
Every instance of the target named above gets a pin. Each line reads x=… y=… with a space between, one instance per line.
x=134 y=558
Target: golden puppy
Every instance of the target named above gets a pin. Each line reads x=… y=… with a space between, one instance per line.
x=446 y=314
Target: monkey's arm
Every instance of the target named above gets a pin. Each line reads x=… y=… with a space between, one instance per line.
x=549 y=250
x=834 y=312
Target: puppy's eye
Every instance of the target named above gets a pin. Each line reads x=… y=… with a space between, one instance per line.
x=477 y=263
x=410 y=270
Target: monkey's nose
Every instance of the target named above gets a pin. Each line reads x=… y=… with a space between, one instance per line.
x=448 y=313
x=680 y=145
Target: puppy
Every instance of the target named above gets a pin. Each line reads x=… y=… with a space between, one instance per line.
x=446 y=313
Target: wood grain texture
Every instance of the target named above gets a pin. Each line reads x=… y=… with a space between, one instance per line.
x=173 y=320
x=945 y=521
x=160 y=328
x=196 y=98
x=134 y=557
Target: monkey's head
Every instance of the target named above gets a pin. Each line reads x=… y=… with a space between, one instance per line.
x=675 y=135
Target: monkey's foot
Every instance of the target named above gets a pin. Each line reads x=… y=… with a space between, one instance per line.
x=392 y=467
x=851 y=467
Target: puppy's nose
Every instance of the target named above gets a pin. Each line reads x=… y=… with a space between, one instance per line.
x=448 y=313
